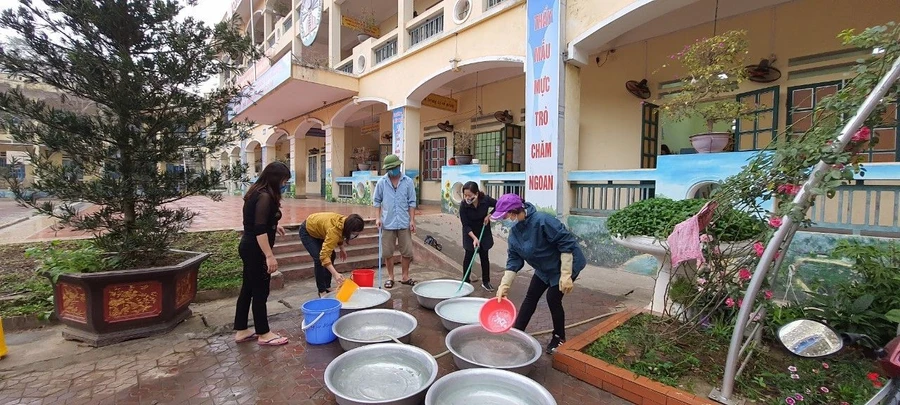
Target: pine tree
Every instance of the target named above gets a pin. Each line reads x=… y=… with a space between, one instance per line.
x=139 y=68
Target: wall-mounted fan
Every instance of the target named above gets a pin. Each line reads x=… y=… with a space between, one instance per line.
x=445 y=126
x=763 y=72
x=503 y=116
x=638 y=88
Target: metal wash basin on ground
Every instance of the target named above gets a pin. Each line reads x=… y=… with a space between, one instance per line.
x=514 y=350
x=373 y=326
x=383 y=373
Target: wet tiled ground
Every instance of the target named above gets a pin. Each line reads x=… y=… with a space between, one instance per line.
x=212 y=215
x=218 y=371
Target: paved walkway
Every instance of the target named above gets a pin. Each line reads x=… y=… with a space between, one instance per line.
x=196 y=364
x=212 y=215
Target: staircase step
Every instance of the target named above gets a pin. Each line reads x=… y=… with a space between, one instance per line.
x=299 y=271
x=283 y=245
x=304 y=257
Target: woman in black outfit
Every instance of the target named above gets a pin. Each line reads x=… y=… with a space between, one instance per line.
x=261 y=215
x=473 y=213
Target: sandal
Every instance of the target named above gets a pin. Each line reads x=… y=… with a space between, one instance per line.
x=275 y=341
x=389 y=284
x=246 y=339
x=409 y=282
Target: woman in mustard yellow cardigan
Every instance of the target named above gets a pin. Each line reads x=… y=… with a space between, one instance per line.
x=321 y=234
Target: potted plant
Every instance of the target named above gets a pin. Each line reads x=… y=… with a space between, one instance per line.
x=368 y=25
x=714 y=67
x=645 y=225
x=363 y=157
x=463 y=143
x=141 y=286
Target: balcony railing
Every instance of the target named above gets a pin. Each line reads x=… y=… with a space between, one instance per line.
x=492 y=3
x=860 y=209
x=386 y=51
x=431 y=27
x=286 y=24
x=496 y=188
x=346 y=67
x=604 y=198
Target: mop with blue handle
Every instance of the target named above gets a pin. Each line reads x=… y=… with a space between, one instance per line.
x=379 y=258
x=469 y=269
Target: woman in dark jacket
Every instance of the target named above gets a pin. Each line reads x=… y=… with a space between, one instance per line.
x=473 y=213
x=262 y=212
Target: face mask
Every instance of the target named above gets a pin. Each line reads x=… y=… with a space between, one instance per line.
x=470 y=200
x=284 y=189
x=509 y=223
x=394 y=172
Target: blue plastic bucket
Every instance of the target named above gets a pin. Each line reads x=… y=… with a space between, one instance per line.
x=318 y=317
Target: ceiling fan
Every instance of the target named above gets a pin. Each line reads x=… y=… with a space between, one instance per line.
x=445 y=126
x=503 y=116
x=763 y=72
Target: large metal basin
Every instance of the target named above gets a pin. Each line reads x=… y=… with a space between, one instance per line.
x=373 y=326
x=457 y=312
x=432 y=292
x=383 y=373
x=472 y=346
x=487 y=386
x=363 y=298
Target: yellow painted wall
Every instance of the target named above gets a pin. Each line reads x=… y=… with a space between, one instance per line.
x=610 y=116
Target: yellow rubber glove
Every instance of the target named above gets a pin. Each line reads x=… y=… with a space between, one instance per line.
x=505 y=283
x=565 y=273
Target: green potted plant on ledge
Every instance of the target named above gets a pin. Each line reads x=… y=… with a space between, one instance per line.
x=714 y=68
x=463 y=143
x=363 y=156
x=140 y=68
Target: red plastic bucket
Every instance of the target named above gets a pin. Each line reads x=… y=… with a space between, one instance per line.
x=364 y=277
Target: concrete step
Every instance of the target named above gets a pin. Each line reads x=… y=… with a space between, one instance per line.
x=294 y=245
x=299 y=271
x=293 y=234
x=303 y=256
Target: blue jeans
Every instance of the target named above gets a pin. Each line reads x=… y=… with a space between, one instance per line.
x=314 y=247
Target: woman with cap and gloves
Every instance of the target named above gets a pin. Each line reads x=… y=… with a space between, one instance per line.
x=543 y=242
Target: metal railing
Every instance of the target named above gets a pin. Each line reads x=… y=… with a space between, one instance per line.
x=346 y=68
x=345 y=189
x=429 y=28
x=492 y=3
x=859 y=209
x=603 y=199
x=287 y=24
x=496 y=188
x=386 y=51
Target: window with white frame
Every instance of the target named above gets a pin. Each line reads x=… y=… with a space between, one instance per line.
x=312 y=175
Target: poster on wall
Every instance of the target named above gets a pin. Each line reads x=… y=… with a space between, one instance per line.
x=397 y=127
x=544 y=78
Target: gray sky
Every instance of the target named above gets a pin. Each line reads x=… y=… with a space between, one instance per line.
x=208 y=11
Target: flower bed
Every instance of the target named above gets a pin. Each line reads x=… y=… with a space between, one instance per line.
x=638 y=357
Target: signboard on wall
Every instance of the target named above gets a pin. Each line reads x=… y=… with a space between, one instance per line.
x=544 y=101
x=397 y=129
x=440 y=102
x=360 y=26
x=268 y=81
x=310 y=18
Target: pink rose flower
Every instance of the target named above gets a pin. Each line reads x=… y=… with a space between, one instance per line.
x=759 y=248
x=744 y=274
x=864 y=134
x=789 y=189
x=775 y=222
x=729 y=302
x=769 y=294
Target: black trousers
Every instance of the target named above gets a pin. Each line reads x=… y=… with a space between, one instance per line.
x=254 y=289
x=485 y=264
x=554 y=301
x=314 y=247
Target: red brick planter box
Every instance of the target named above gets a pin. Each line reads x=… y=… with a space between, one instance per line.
x=618 y=381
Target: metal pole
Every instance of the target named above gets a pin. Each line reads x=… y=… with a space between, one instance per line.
x=801 y=200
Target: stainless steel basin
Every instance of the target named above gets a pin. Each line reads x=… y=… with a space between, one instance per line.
x=383 y=373
x=457 y=312
x=487 y=386
x=373 y=326
x=432 y=292
x=514 y=350
x=363 y=298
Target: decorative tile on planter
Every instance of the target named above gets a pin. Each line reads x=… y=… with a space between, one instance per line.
x=73 y=305
x=616 y=380
x=130 y=301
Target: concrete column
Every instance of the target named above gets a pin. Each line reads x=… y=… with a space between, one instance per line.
x=335 y=163
x=334 y=34
x=251 y=163
x=406 y=143
x=268 y=23
x=298 y=166
x=404 y=15
x=572 y=119
x=268 y=155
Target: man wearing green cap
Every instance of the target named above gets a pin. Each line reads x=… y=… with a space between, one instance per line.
x=395 y=198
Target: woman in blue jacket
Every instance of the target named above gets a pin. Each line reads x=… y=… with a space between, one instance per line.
x=544 y=243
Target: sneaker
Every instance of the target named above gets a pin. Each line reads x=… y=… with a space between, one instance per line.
x=487 y=286
x=554 y=344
